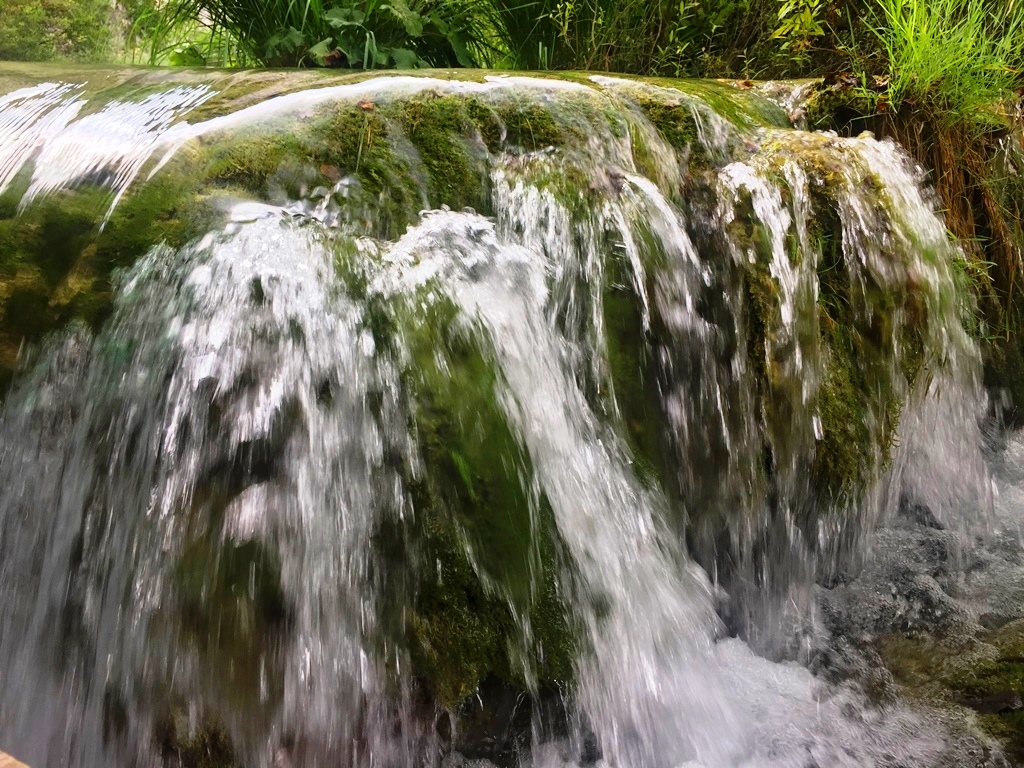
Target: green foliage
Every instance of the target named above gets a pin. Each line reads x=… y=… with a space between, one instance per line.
x=674 y=37
x=713 y=38
x=960 y=59
x=799 y=22
x=46 y=30
x=364 y=34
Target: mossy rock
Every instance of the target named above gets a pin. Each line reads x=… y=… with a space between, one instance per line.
x=204 y=747
x=59 y=260
x=835 y=106
x=482 y=550
x=635 y=378
x=978 y=676
x=426 y=149
x=231 y=616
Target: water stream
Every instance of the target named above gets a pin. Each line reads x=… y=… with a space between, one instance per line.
x=338 y=451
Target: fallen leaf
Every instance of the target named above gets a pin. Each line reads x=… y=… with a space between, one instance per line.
x=331 y=172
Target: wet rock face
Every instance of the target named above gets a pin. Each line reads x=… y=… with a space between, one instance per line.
x=495 y=727
x=936 y=617
x=909 y=583
x=483 y=480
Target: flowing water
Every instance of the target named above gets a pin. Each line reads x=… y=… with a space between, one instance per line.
x=700 y=369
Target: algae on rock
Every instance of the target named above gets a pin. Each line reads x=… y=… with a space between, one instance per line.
x=482 y=547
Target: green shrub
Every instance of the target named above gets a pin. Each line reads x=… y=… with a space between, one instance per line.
x=800 y=21
x=670 y=37
x=365 y=34
x=44 y=30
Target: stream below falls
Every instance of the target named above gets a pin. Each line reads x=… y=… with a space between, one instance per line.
x=476 y=420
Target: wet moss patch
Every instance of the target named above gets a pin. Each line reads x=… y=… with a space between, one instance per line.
x=987 y=676
x=205 y=747
x=58 y=264
x=483 y=554
x=448 y=141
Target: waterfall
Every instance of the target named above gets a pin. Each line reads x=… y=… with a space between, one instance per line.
x=336 y=409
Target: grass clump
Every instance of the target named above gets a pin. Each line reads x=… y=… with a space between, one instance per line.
x=958 y=59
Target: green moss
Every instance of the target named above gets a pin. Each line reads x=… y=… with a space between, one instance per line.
x=834 y=107
x=57 y=265
x=675 y=121
x=875 y=339
x=945 y=674
x=442 y=130
x=483 y=549
x=428 y=150
x=473 y=462
x=634 y=376
x=1008 y=729
x=681 y=111
x=424 y=151
x=205 y=747
x=230 y=611
x=463 y=630
x=843 y=456
x=871 y=339
x=218 y=580
x=248 y=162
x=634 y=370
x=913 y=660
x=530 y=126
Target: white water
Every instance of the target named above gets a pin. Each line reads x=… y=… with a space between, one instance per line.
x=238 y=396
x=223 y=387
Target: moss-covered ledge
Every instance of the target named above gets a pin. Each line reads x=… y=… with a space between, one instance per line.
x=976 y=174
x=390 y=148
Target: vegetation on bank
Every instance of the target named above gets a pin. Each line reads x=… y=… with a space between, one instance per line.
x=957 y=58
x=44 y=30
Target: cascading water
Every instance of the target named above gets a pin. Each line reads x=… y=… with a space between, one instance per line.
x=336 y=456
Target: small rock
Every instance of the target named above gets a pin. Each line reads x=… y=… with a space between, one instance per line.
x=997 y=703
x=919 y=513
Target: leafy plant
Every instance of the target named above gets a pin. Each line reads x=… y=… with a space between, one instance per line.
x=799 y=22
x=364 y=34
x=644 y=37
x=716 y=39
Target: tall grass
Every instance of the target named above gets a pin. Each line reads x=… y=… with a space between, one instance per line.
x=670 y=37
x=959 y=59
